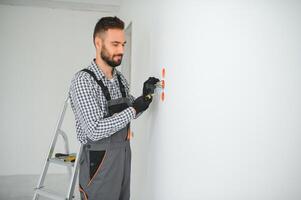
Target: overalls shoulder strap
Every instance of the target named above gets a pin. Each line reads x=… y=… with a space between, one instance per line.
x=104 y=89
x=121 y=86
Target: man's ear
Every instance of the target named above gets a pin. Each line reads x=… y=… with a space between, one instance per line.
x=98 y=42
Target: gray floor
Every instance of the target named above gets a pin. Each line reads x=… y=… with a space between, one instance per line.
x=20 y=187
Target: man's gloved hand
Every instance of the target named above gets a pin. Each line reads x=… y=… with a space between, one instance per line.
x=141 y=104
x=149 y=86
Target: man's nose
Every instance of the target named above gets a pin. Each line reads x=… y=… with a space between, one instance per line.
x=121 y=49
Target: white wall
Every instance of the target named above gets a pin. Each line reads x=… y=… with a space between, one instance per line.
x=40 y=51
x=230 y=125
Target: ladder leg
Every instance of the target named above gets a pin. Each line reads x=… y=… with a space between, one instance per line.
x=35 y=196
x=67 y=151
x=74 y=174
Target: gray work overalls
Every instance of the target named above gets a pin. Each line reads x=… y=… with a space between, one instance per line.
x=105 y=165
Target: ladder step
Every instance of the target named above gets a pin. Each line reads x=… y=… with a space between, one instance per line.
x=61 y=162
x=49 y=194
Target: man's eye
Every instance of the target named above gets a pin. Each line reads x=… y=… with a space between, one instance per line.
x=115 y=45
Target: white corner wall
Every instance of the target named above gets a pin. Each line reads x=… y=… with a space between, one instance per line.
x=230 y=126
x=40 y=51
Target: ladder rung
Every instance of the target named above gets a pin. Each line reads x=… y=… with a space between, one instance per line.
x=49 y=194
x=61 y=162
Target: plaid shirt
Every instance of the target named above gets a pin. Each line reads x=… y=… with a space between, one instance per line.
x=90 y=105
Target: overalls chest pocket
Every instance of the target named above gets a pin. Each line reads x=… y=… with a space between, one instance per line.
x=117 y=108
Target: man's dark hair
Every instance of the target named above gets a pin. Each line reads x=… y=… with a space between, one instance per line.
x=106 y=23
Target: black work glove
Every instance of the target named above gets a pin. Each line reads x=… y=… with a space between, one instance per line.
x=141 y=103
x=149 y=86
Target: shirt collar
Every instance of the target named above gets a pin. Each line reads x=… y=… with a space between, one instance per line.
x=99 y=72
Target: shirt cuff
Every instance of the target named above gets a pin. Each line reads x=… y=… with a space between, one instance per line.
x=131 y=112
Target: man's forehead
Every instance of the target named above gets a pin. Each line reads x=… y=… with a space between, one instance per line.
x=115 y=35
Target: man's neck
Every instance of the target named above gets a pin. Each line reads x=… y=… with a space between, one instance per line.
x=104 y=67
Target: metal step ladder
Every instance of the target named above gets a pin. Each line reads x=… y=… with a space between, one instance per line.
x=72 y=167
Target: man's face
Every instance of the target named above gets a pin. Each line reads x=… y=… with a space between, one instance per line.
x=113 y=42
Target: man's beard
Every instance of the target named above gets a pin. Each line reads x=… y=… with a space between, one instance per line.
x=110 y=61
